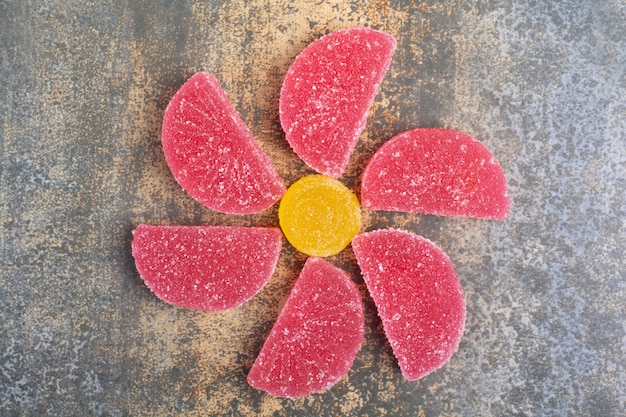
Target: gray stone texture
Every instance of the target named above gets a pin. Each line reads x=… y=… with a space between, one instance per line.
x=83 y=87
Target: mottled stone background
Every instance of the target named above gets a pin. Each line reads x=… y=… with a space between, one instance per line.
x=83 y=87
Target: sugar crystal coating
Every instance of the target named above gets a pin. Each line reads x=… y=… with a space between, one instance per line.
x=436 y=171
x=418 y=297
x=327 y=93
x=212 y=154
x=213 y=268
x=319 y=215
x=316 y=336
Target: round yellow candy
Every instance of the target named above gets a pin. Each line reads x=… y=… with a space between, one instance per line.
x=319 y=215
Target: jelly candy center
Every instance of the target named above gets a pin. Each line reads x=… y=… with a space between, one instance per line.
x=319 y=215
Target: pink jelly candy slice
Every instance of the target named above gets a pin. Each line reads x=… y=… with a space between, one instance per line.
x=327 y=93
x=436 y=171
x=212 y=154
x=418 y=296
x=316 y=337
x=213 y=268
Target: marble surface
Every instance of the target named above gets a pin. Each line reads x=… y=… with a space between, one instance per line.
x=83 y=87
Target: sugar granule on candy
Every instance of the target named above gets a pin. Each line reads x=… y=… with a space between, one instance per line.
x=316 y=337
x=436 y=171
x=418 y=297
x=212 y=268
x=213 y=155
x=319 y=215
x=327 y=93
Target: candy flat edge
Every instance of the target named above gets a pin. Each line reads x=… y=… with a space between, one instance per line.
x=405 y=373
x=274 y=263
x=276 y=184
x=366 y=198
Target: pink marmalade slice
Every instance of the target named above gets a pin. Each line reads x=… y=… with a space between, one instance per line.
x=327 y=93
x=316 y=337
x=436 y=171
x=213 y=268
x=212 y=154
x=418 y=296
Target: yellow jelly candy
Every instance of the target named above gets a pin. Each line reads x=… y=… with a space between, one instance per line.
x=319 y=215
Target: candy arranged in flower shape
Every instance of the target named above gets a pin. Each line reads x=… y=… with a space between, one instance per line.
x=323 y=105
